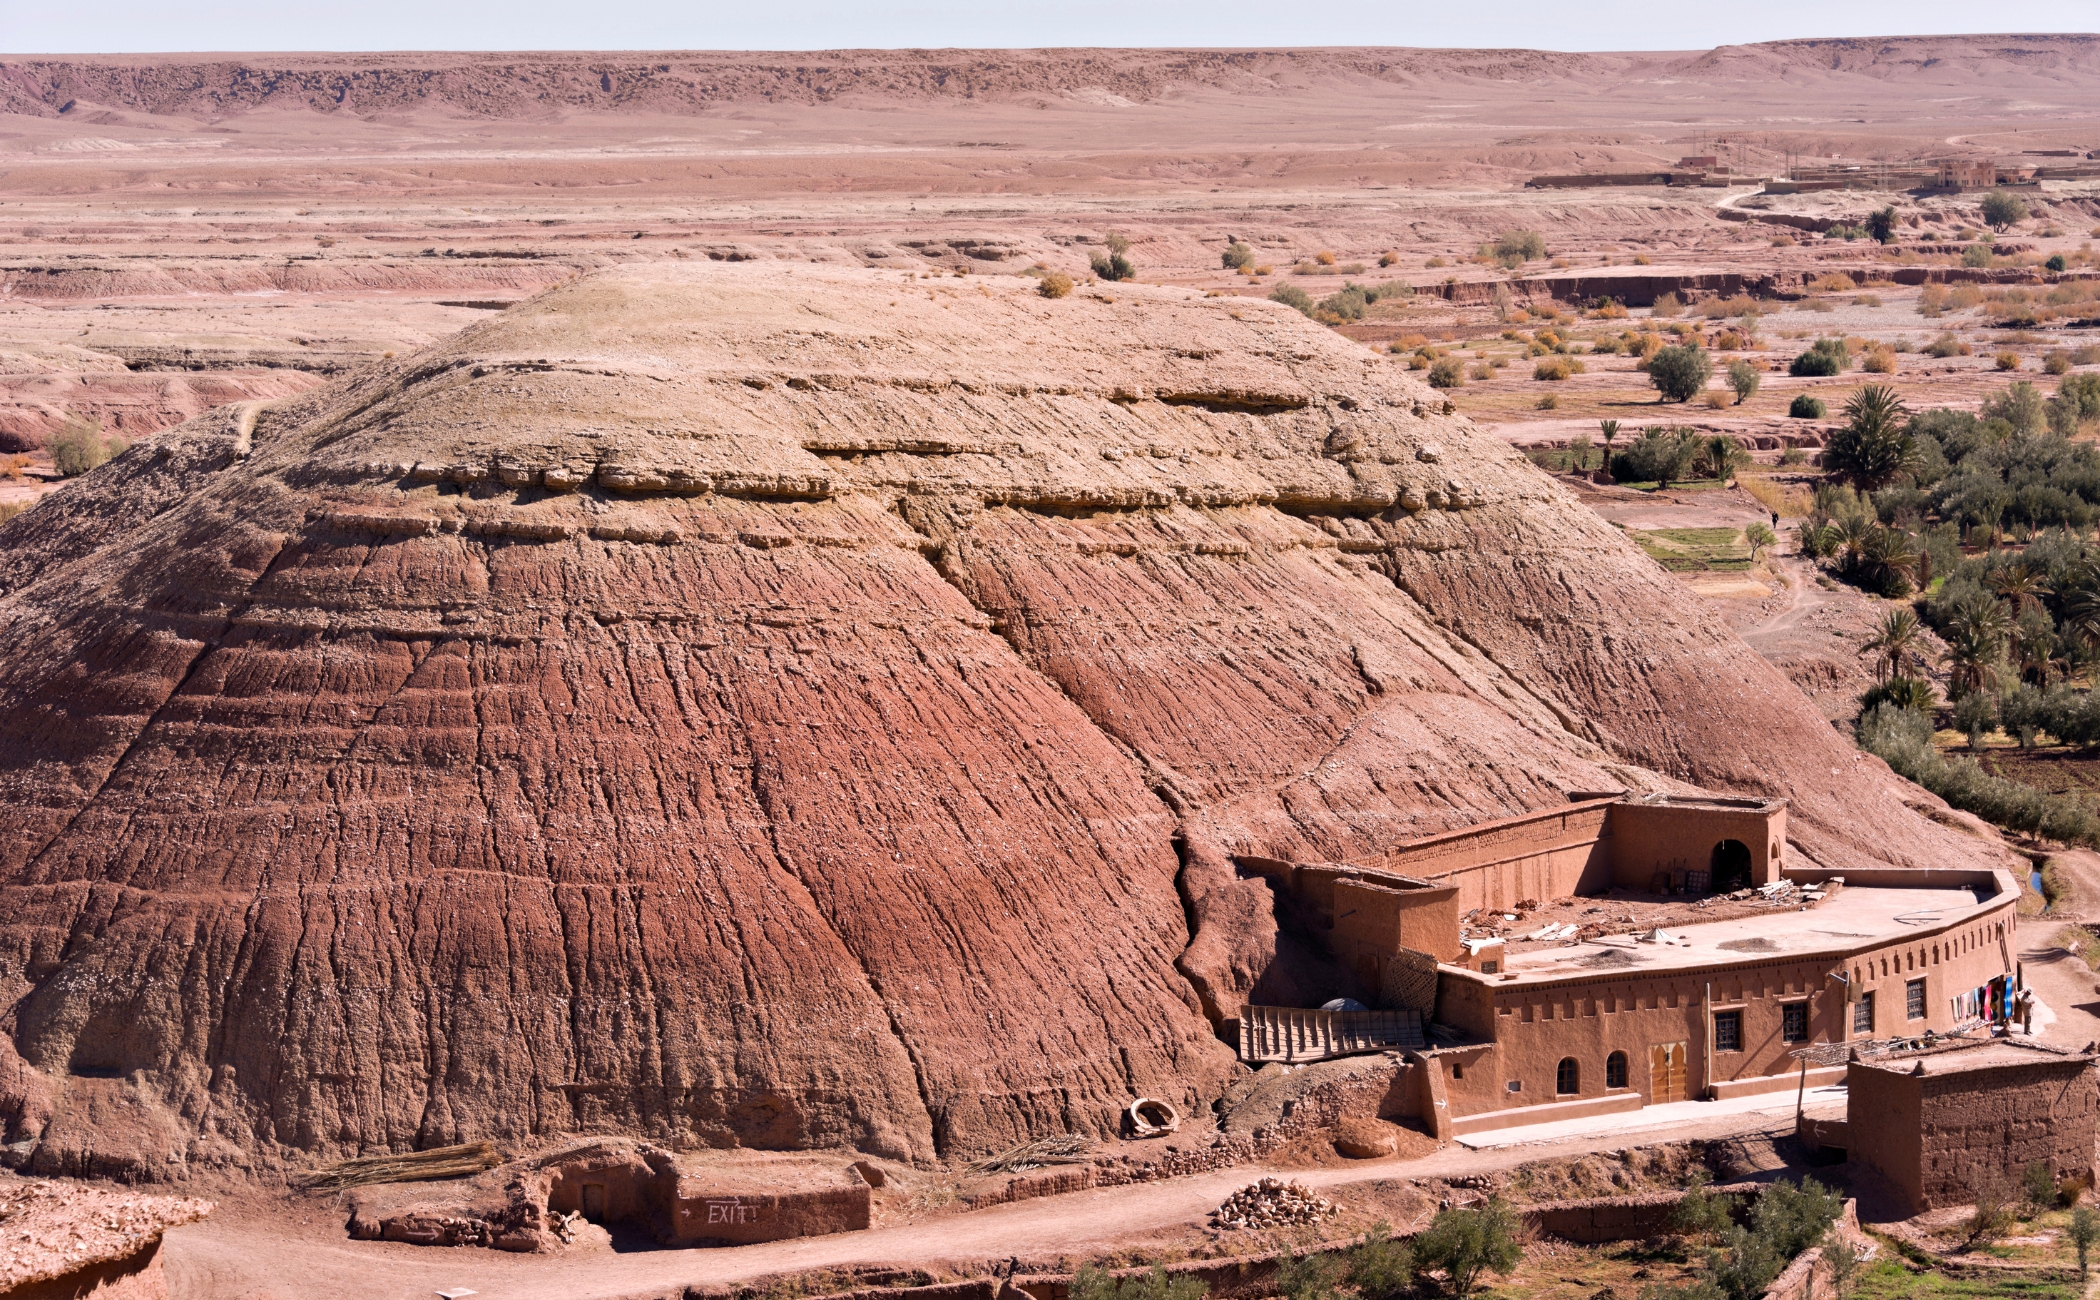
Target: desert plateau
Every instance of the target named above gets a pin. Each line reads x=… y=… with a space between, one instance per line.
x=1091 y=674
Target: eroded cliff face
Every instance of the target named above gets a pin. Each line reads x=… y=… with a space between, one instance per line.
x=789 y=708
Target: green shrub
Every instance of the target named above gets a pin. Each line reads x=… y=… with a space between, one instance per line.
x=1657 y=456
x=1903 y=740
x=1447 y=372
x=1882 y=225
x=1744 y=379
x=1678 y=373
x=1806 y=407
x=1463 y=1244
x=2056 y=264
x=1946 y=345
x=1306 y=1277
x=2001 y=209
x=1979 y=257
x=2020 y=405
x=1824 y=358
x=1381 y=1268
x=80 y=445
x=1704 y=1213
x=1113 y=265
x=1236 y=255
x=1910 y=693
x=1097 y=1284
x=1290 y=295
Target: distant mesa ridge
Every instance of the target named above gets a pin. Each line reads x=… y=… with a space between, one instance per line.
x=512 y=84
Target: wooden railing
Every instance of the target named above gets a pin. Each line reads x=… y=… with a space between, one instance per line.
x=1304 y=1034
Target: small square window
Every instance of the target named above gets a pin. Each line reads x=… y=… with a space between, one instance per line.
x=1490 y=967
x=1457 y=1071
x=1516 y=1085
x=1863 y=1014
x=1793 y=1022
x=1914 y=999
x=1728 y=1031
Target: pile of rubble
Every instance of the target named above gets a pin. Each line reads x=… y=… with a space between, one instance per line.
x=1270 y=1203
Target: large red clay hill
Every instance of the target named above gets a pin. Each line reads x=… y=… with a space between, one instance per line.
x=787 y=707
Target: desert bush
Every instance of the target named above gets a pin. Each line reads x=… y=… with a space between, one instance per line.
x=1946 y=345
x=1835 y=282
x=1237 y=255
x=2001 y=209
x=2057 y=363
x=1881 y=361
x=1667 y=305
x=1792 y=456
x=1290 y=295
x=1447 y=372
x=1609 y=309
x=1716 y=400
x=1678 y=373
x=1806 y=407
x=1112 y=264
x=1979 y=257
x=1607 y=346
x=1389 y=258
x=1307 y=1277
x=1480 y=370
x=1824 y=358
x=1523 y=245
x=1553 y=368
x=1550 y=402
x=2056 y=264
x=1055 y=284
x=1722 y=308
x=2084 y=1232
x=2007 y=360
x=1324 y=257
x=9 y=509
x=80 y=445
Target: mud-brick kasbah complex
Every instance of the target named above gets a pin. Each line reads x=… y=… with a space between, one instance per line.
x=1618 y=1022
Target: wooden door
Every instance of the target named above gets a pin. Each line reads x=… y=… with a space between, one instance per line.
x=1666 y=1062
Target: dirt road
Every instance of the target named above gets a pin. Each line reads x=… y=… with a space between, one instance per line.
x=254 y=1255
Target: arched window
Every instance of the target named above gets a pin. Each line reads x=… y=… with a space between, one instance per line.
x=1567 y=1080
x=1615 y=1070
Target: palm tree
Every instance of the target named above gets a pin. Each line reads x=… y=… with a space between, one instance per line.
x=2032 y=641
x=2021 y=585
x=1875 y=444
x=1886 y=558
x=2081 y=594
x=1723 y=457
x=1976 y=632
x=1895 y=644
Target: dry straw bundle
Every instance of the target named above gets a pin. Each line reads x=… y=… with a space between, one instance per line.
x=415 y=1167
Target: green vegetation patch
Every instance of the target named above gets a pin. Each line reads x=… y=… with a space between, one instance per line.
x=1695 y=550
x=1889 y=1280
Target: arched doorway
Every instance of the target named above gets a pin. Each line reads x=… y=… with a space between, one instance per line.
x=1731 y=866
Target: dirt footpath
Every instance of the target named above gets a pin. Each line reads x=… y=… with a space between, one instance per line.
x=278 y=1252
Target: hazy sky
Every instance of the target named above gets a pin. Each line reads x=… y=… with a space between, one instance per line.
x=113 y=26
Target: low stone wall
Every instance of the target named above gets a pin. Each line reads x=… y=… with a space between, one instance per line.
x=1805 y=1278
x=1619 y=1218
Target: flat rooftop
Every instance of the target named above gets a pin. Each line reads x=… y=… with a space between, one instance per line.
x=1855 y=917
x=1980 y=1056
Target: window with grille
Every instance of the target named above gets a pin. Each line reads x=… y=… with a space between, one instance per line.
x=1914 y=999
x=1793 y=1022
x=1567 y=1079
x=1728 y=1031
x=1863 y=1014
x=1615 y=1070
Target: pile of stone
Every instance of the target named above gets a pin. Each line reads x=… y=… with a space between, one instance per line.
x=1270 y=1203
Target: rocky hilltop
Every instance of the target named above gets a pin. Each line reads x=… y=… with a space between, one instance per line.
x=789 y=707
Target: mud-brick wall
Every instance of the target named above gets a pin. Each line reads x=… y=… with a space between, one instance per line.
x=1934 y=1137
x=701 y=1213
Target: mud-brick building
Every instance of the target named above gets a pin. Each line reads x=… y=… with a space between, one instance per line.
x=1934 y=1124
x=1614 y=1022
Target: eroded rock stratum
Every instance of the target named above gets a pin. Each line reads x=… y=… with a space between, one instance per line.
x=788 y=708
